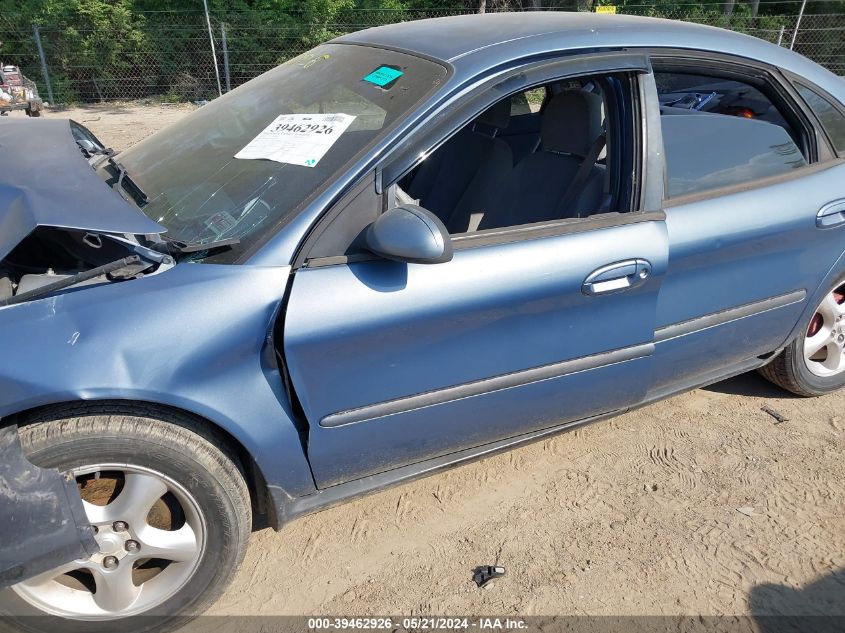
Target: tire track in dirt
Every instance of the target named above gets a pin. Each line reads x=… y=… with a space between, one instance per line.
x=670 y=463
x=551 y=507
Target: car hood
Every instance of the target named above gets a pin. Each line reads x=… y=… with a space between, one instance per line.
x=46 y=181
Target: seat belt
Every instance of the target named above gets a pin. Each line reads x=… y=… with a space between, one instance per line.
x=606 y=197
x=581 y=175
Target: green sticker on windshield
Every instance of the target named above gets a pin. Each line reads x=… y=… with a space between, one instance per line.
x=384 y=76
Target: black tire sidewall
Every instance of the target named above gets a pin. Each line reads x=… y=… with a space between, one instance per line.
x=222 y=530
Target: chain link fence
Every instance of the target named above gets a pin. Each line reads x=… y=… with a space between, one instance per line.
x=167 y=55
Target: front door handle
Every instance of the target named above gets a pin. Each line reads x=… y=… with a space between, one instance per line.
x=617 y=277
x=831 y=215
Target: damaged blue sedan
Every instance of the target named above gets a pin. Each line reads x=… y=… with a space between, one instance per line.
x=410 y=247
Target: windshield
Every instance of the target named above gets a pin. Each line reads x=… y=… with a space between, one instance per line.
x=341 y=98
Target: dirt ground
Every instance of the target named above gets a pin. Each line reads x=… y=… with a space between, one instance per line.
x=701 y=504
x=120 y=125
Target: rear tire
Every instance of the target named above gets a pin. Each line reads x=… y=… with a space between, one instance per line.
x=151 y=449
x=814 y=363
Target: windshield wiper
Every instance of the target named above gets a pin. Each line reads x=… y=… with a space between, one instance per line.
x=90 y=149
x=124 y=182
x=132 y=262
x=178 y=247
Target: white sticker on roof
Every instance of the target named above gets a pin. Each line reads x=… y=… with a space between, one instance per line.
x=297 y=139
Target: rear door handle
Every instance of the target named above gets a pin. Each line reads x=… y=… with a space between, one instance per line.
x=617 y=277
x=831 y=215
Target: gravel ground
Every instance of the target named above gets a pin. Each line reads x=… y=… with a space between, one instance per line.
x=700 y=504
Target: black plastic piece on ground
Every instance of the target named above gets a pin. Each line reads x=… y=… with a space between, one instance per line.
x=484 y=574
x=777 y=415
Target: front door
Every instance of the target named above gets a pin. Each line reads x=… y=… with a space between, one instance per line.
x=528 y=327
x=395 y=363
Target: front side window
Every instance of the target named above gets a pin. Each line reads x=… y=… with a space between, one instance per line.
x=721 y=132
x=575 y=162
x=201 y=193
x=829 y=115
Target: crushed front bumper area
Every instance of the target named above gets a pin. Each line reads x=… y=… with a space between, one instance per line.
x=42 y=520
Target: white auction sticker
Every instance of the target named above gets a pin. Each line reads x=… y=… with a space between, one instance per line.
x=297 y=139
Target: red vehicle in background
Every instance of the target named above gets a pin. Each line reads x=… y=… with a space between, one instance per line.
x=17 y=92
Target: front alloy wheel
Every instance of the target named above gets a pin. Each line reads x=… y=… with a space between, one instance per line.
x=151 y=533
x=172 y=515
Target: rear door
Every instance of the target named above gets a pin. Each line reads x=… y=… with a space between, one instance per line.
x=746 y=179
x=528 y=327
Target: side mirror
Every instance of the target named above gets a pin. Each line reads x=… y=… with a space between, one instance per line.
x=409 y=233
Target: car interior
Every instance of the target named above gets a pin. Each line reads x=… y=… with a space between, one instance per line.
x=688 y=93
x=549 y=153
x=719 y=131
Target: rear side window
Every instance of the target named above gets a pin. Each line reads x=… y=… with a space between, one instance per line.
x=830 y=116
x=709 y=151
x=720 y=132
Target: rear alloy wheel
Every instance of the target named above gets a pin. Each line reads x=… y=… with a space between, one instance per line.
x=814 y=364
x=824 y=341
x=171 y=512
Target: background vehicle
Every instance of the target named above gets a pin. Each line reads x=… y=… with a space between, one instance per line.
x=452 y=276
x=17 y=92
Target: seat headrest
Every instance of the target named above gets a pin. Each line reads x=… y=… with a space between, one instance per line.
x=498 y=115
x=571 y=122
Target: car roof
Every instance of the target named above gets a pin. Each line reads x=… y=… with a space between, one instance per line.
x=473 y=44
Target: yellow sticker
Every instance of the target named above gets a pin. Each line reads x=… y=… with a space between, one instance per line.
x=608 y=8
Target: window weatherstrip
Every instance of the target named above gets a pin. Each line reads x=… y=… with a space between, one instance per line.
x=553 y=228
x=487 y=385
x=751 y=185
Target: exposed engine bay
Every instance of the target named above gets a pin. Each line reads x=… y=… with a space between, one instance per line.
x=51 y=259
x=70 y=230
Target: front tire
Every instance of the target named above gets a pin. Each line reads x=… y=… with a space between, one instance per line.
x=814 y=363
x=173 y=517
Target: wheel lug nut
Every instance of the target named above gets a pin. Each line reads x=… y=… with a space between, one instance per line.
x=119 y=526
x=132 y=546
x=110 y=562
